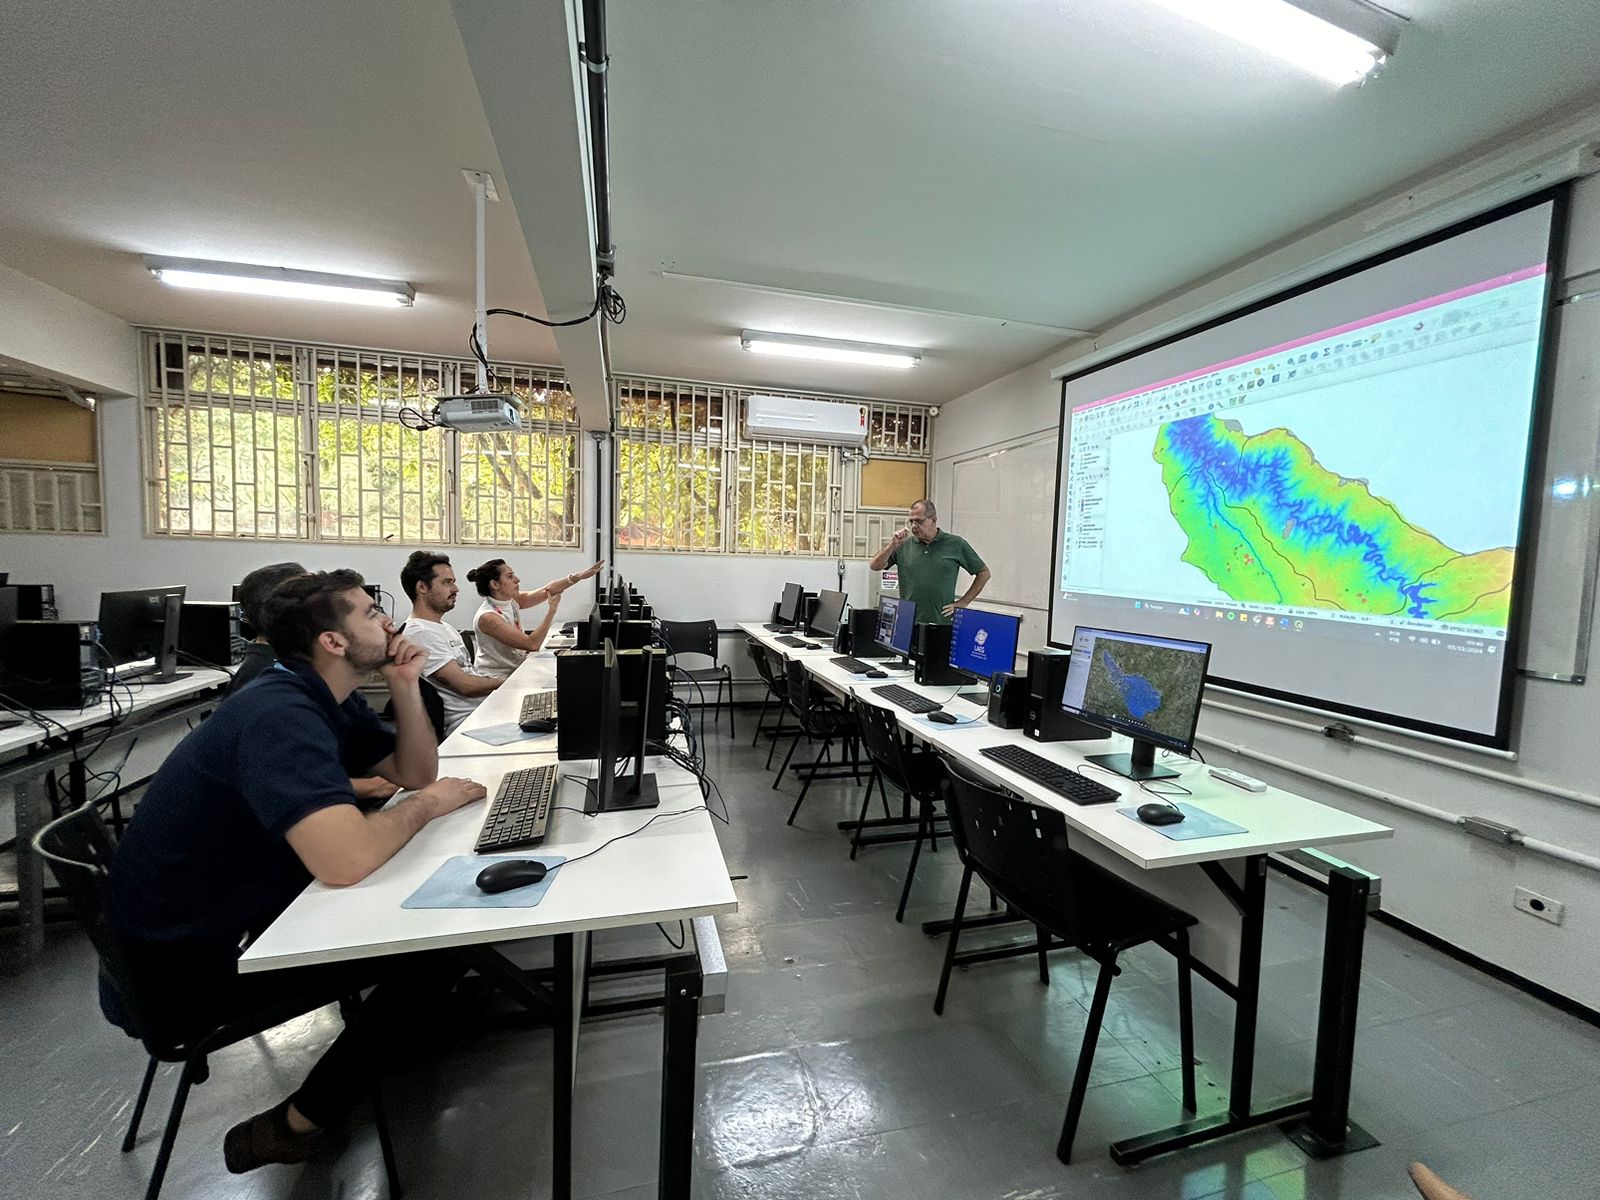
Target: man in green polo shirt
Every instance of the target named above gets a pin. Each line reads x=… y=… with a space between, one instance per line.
x=928 y=559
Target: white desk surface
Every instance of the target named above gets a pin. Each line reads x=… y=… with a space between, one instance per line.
x=672 y=870
x=503 y=706
x=1274 y=819
x=767 y=638
x=145 y=696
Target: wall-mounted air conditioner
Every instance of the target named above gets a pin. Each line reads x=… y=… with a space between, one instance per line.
x=787 y=419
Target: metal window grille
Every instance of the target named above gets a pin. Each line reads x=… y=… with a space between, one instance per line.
x=50 y=498
x=687 y=479
x=671 y=455
x=224 y=438
x=377 y=479
x=247 y=438
x=522 y=488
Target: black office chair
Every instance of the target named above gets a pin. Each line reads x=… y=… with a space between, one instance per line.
x=1021 y=851
x=81 y=856
x=819 y=716
x=776 y=690
x=432 y=704
x=469 y=638
x=700 y=638
x=915 y=773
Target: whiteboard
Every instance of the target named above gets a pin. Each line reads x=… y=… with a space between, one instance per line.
x=1003 y=502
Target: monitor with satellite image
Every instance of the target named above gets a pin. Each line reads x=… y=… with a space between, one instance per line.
x=1146 y=687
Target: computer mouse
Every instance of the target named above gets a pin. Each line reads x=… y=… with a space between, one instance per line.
x=942 y=717
x=1160 y=814
x=876 y=674
x=511 y=873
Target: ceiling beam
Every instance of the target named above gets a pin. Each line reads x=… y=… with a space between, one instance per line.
x=524 y=58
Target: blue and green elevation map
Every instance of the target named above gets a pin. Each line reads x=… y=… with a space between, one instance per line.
x=1268 y=524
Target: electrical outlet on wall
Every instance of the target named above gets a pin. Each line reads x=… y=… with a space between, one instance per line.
x=1539 y=906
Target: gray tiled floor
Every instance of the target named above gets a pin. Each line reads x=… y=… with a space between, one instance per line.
x=829 y=1075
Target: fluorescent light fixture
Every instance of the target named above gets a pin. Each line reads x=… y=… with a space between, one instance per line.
x=795 y=345
x=280 y=281
x=1343 y=41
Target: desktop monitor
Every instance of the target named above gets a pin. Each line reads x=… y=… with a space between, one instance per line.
x=789 y=606
x=830 y=610
x=142 y=624
x=1146 y=687
x=983 y=642
x=623 y=729
x=897 y=621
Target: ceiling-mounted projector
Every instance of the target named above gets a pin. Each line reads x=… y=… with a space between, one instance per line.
x=477 y=412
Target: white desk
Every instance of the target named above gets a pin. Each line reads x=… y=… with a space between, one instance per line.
x=671 y=870
x=1227 y=942
x=503 y=706
x=30 y=751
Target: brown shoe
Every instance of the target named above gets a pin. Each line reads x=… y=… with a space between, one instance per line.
x=266 y=1138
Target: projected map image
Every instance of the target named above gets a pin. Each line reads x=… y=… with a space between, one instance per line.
x=1146 y=683
x=1267 y=523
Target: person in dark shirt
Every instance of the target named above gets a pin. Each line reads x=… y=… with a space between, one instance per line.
x=249 y=808
x=254 y=589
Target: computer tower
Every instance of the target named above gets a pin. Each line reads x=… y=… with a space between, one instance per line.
x=34 y=601
x=51 y=664
x=1008 y=700
x=858 y=635
x=808 y=609
x=209 y=634
x=634 y=635
x=930 y=657
x=1046 y=720
x=578 y=700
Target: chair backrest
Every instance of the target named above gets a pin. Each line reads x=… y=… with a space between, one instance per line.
x=777 y=673
x=691 y=637
x=1021 y=850
x=880 y=733
x=758 y=655
x=432 y=703
x=80 y=853
x=469 y=638
x=802 y=695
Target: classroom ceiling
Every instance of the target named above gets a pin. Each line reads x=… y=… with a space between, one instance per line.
x=1051 y=163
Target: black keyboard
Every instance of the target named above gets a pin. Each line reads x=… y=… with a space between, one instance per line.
x=797 y=643
x=906 y=699
x=538 y=712
x=854 y=665
x=520 y=811
x=777 y=628
x=1063 y=781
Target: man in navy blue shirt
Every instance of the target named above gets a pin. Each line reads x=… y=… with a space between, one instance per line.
x=250 y=807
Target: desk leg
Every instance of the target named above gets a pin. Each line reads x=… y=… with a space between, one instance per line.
x=681 y=1021
x=28 y=803
x=571 y=961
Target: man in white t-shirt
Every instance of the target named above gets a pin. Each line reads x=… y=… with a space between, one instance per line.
x=429 y=582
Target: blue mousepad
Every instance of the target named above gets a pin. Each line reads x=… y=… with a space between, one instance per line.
x=502 y=735
x=1196 y=823
x=454 y=884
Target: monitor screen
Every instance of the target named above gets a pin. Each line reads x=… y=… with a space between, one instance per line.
x=830 y=608
x=896 y=621
x=982 y=642
x=789 y=607
x=1146 y=687
x=133 y=623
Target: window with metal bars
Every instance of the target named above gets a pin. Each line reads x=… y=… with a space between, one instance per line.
x=687 y=479
x=254 y=439
x=50 y=498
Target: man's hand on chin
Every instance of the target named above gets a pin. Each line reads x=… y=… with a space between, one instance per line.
x=406 y=660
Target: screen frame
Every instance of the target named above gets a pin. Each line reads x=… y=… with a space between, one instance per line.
x=789 y=615
x=1559 y=198
x=1014 y=618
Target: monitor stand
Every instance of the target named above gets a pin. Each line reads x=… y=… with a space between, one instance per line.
x=973 y=697
x=1139 y=765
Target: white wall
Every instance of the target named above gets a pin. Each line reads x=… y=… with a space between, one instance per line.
x=59 y=336
x=1434 y=875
